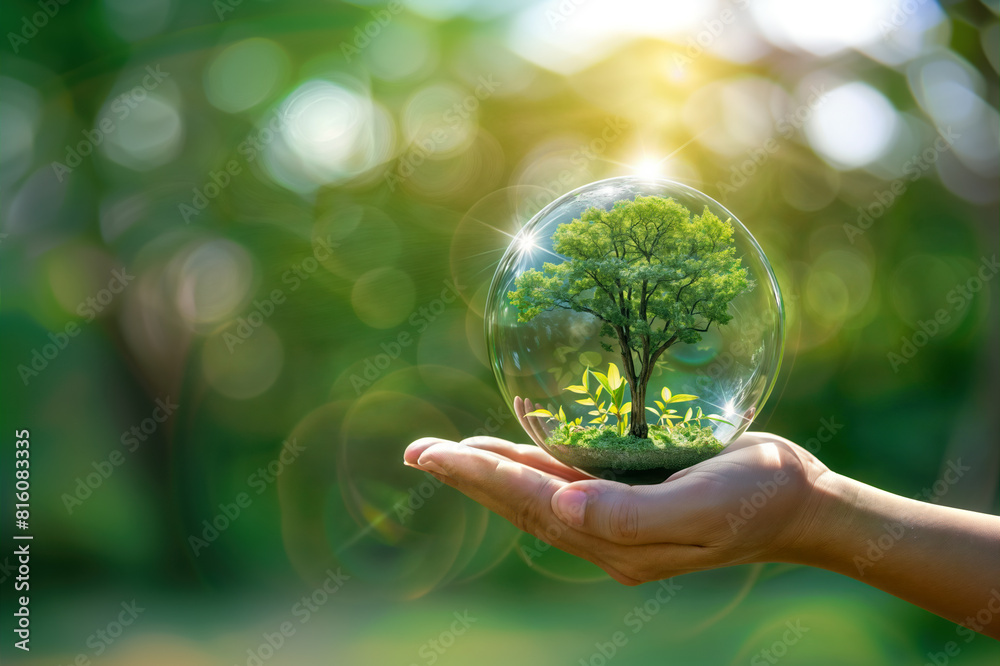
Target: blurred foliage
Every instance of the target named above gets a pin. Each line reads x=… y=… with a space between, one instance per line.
x=304 y=203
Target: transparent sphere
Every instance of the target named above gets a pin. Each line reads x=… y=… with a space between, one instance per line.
x=635 y=328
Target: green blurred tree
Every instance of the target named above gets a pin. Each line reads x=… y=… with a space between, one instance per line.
x=652 y=272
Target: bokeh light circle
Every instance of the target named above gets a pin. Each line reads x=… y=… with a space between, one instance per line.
x=383 y=297
x=853 y=126
x=245 y=74
x=242 y=362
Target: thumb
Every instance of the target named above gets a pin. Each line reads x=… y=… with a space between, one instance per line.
x=623 y=514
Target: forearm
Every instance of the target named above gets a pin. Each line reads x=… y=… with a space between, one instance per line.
x=943 y=559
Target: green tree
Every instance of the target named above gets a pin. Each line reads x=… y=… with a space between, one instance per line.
x=652 y=272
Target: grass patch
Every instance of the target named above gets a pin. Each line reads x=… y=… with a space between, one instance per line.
x=603 y=448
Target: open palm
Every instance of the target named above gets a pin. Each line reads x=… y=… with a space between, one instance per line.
x=749 y=503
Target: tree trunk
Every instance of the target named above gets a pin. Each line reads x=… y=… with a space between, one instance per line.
x=637 y=419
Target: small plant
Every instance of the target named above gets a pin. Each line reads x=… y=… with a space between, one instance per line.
x=559 y=416
x=666 y=417
x=613 y=386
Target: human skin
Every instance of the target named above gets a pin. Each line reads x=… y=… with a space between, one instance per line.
x=943 y=559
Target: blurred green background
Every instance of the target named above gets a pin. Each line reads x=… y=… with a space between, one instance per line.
x=231 y=234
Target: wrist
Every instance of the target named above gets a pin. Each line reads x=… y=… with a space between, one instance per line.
x=832 y=514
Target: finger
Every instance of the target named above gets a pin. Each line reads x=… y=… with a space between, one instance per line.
x=527 y=422
x=519 y=412
x=516 y=492
x=673 y=512
x=523 y=496
x=521 y=408
x=520 y=494
x=542 y=427
x=747 y=440
x=526 y=455
x=414 y=449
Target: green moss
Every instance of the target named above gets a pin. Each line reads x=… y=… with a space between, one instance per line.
x=603 y=448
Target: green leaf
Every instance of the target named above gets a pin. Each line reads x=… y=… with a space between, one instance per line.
x=687 y=416
x=562 y=415
x=619 y=394
x=585 y=401
x=658 y=404
x=651 y=409
x=614 y=378
x=715 y=417
x=586 y=379
x=627 y=407
x=603 y=381
x=683 y=397
x=540 y=412
x=597 y=420
x=665 y=394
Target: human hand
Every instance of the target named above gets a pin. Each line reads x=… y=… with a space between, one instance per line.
x=753 y=502
x=538 y=428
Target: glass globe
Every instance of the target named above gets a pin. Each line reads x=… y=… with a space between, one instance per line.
x=635 y=328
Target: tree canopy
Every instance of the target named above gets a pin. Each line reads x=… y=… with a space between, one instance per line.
x=650 y=270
